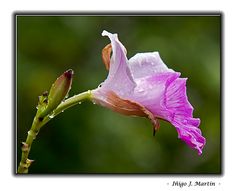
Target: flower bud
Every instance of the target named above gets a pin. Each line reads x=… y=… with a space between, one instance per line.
x=58 y=92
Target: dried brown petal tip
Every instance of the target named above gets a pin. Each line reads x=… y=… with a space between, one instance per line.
x=154 y=131
x=106 y=52
x=69 y=73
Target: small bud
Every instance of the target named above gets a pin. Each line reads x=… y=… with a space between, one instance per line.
x=58 y=92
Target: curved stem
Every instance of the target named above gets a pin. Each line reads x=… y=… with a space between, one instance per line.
x=67 y=104
x=38 y=122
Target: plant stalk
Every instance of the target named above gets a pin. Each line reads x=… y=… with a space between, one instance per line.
x=38 y=122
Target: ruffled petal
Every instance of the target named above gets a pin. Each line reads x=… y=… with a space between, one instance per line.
x=119 y=78
x=164 y=94
x=191 y=135
x=147 y=64
x=177 y=104
x=176 y=98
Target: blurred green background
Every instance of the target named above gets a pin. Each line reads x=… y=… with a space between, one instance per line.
x=91 y=139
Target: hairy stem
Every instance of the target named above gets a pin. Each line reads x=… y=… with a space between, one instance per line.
x=38 y=122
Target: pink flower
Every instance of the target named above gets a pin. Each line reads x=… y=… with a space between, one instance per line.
x=145 y=86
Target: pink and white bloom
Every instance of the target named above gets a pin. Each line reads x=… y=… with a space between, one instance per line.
x=145 y=86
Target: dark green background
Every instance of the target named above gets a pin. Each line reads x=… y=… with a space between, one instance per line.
x=90 y=139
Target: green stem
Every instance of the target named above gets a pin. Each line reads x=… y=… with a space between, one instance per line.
x=39 y=122
x=67 y=104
